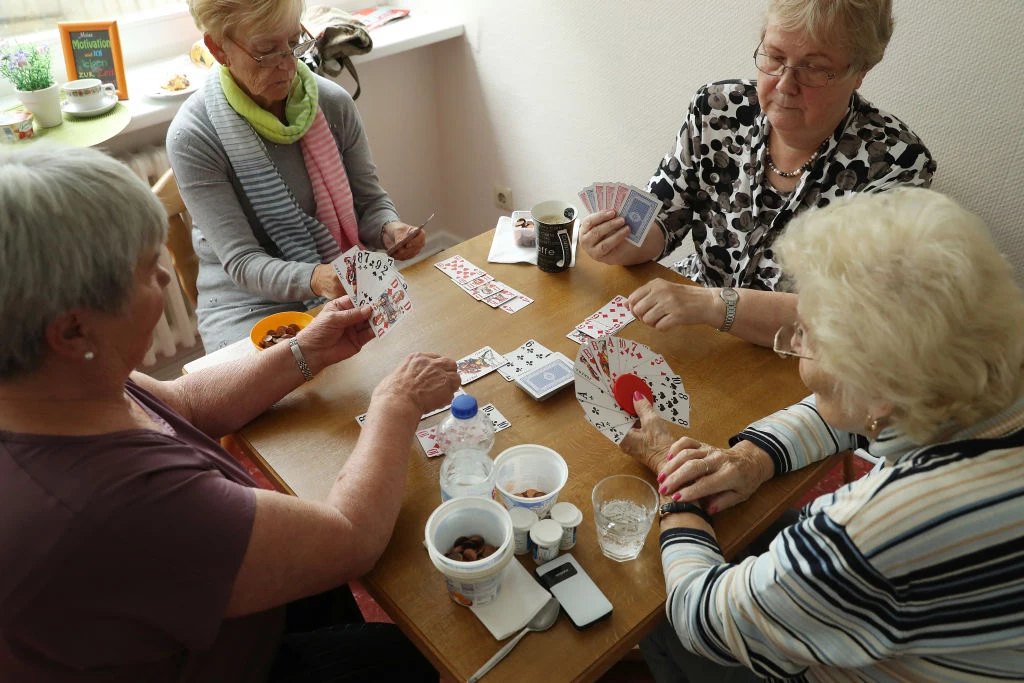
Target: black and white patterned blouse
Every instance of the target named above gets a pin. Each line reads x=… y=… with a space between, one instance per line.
x=713 y=184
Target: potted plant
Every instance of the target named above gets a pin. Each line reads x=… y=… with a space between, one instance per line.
x=27 y=67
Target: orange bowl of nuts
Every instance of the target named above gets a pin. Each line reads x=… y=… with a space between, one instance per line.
x=278 y=328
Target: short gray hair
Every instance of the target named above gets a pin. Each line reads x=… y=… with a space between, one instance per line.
x=249 y=16
x=73 y=225
x=907 y=301
x=862 y=28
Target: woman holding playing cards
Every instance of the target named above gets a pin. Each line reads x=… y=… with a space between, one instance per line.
x=909 y=335
x=752 y=155
x=134 y=547
x=275 y=169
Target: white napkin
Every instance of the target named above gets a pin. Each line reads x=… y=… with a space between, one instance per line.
x=520 y=599
x=505 y=250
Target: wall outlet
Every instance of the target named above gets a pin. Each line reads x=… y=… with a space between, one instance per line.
x=503 y=197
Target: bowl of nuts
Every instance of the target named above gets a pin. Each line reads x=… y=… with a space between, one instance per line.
x=277 y=328
x=530 y=476
x=470 y=542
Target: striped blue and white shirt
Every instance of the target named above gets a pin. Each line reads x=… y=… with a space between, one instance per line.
x=915 y=572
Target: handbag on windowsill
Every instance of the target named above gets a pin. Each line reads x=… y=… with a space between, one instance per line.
x=339 y=36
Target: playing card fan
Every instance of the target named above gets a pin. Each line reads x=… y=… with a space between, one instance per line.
x=609 y=370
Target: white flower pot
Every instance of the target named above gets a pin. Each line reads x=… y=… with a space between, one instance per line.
x=44 y=105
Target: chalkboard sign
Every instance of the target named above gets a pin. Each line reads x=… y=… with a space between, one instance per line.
x=93 y=50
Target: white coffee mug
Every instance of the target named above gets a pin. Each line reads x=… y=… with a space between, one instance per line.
x=88 y=93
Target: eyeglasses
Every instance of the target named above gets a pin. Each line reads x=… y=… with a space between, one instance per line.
x=808 y=76
x=277 y=59
x=788 y=340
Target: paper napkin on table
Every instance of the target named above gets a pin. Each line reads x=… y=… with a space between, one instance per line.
x=520 y=599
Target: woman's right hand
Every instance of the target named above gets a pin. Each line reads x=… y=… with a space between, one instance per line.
x=325 y=282
x=428 y=380
x=603 y=236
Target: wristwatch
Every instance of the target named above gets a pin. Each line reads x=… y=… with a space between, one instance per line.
x=730 y=296
x=676 y=506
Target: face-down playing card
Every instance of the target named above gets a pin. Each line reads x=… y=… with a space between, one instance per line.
x=554 y=373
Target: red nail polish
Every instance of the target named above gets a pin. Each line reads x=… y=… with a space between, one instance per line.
x=711 y=510
x=663 y=490
x=676 y=496
x=670 y=456
x=637 y=396
x=661 y=477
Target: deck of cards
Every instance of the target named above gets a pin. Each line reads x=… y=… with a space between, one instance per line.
x=482 y=286
x=609 y=370
x=639 y=208
x=553 y=373
x=371 y=278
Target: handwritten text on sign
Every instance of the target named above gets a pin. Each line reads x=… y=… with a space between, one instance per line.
x=92 y=55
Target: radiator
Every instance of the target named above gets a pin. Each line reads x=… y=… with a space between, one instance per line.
x=176 y=330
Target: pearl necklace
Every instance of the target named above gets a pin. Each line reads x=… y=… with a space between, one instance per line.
x=792 y=174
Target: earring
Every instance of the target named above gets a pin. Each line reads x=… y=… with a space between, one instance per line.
x=871 y=423
x=89 y=355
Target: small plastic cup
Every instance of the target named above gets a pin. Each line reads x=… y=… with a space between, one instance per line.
x=546 y=535
x=530 y=466
x=522 y=520
x=477 y=582
x=569 y=518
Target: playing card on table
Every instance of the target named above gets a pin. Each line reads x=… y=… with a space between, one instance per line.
x=578 y=336
x=479 y=363
x=554 y=373
x=486 y=289
x=519 y=302
x=526 y=357
x=459 y=269
x=470 y=286
x=428 y=437
x=608 y=319
x=503 y=295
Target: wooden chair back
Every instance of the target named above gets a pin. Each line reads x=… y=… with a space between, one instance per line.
x=179 y=234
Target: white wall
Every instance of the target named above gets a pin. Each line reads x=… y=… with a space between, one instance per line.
x=547 y=96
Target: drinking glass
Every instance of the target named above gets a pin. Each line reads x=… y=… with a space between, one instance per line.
x=624 y=509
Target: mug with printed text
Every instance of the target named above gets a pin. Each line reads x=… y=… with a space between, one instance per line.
x=554 y=221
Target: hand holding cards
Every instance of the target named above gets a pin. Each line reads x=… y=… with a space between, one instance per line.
x=372 y=279
x=637 y=207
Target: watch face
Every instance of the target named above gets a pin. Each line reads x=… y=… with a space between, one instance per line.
x=730 y=294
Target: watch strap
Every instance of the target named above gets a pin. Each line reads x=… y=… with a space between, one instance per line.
x=677 y=506
x=730 y=297
x=293 y=343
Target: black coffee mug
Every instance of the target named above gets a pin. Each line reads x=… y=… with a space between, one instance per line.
x=554 y=222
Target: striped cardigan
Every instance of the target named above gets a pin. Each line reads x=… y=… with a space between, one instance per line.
x=913 y=573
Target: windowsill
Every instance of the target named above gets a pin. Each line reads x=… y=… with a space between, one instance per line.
x=414 y=31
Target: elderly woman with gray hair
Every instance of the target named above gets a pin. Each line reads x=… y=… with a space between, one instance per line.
x=275 y=169
x=134 y=547
x=751 y=155
x=910 y=334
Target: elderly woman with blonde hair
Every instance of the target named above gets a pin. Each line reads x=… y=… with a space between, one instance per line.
x=751 y=155
x=134 y=547
x=910 y=334
x=275 y=169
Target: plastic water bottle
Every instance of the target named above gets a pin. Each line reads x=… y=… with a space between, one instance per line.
x=466 y=436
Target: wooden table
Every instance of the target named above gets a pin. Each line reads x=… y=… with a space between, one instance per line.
x=303 y=441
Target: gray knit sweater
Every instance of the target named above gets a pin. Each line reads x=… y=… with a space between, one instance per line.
x=242 y=277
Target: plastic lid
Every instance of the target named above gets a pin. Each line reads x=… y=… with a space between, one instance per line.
x=463 y=407
x=566 y=514
x=546 y=532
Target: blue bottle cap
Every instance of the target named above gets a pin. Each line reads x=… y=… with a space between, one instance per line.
x=464 y=407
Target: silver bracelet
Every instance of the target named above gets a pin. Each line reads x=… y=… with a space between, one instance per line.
x=293 y=343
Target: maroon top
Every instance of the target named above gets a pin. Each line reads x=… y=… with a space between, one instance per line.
x=119 y=552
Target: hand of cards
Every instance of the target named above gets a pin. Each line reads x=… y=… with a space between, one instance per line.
x=371 y=278
x=639 y=208
x=608 y=370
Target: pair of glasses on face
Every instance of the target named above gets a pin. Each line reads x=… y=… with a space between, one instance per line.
x=277 y=59
x=807 y=76
x=789 y=342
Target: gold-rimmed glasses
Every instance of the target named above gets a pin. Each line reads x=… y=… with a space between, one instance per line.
x=277 y=59
x=808 y=76
x=789 y=341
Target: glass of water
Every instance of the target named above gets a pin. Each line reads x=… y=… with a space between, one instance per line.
x=624 y=509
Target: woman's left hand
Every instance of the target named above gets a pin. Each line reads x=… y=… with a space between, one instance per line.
x=338 y=332
x=395 y=232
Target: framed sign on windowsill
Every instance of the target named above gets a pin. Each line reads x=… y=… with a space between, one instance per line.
x=92 y=49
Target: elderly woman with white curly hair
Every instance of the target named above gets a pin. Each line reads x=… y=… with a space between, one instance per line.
x=274 y=166
x=911 y=337
x=752 y=154
x=134 y=547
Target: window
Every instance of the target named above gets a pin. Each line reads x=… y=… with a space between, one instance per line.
x=20 y=17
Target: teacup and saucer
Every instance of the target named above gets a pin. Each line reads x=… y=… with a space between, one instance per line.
x=89 y=97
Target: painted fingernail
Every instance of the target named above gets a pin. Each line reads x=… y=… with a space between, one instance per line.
x=712 y=509
x=663 y=489
x=670 y=456
x=637 y=396
x=676 y=496
x=661 y=477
